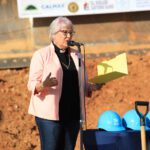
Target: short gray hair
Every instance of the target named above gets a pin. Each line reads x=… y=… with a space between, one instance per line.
x=56 y=25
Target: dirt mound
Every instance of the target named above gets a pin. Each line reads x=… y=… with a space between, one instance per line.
x=17 y=128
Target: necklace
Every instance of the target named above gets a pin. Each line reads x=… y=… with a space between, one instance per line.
x=66 y=66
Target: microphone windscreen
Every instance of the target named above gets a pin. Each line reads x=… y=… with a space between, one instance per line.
x=71 y=43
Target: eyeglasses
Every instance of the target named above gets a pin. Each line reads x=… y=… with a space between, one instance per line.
x=65 y=32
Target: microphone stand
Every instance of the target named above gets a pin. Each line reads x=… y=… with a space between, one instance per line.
x=82 y=101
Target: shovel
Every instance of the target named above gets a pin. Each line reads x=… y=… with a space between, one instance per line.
x=142 y=121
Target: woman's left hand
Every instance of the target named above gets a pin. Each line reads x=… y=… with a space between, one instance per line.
x=96 y=86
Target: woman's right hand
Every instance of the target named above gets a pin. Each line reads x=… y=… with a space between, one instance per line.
x=50 y=81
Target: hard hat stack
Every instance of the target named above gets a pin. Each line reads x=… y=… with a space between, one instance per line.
x=111 y=121
x=131 y=120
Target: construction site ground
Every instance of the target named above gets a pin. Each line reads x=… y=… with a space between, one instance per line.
x=17 y=128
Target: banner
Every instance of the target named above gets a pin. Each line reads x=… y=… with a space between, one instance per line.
x=48 y=8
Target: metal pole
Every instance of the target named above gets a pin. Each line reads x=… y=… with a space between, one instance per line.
x=82 y=103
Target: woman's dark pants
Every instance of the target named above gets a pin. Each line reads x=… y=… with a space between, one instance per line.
x=56 y=135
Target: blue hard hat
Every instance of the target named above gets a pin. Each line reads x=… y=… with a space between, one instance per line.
x=110 y=121
x=131 y=120
x=148 y=119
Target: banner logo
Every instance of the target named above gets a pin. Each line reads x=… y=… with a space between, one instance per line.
x=73 y=7
x=30 y=7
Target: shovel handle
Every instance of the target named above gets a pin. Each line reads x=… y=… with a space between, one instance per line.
x=143 y=138
x=142 y=121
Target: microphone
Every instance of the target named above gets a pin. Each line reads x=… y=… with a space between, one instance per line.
x=73 y=43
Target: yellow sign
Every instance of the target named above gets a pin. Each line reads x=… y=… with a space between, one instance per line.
x=111 y=69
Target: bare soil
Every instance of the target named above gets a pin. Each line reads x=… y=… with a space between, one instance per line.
x=17 y=128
